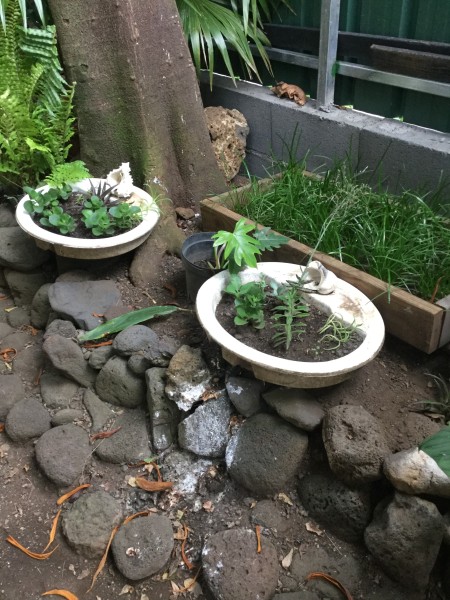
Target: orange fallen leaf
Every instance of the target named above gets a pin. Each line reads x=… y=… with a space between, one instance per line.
x=53 y=530
x=333 y=581
x=153 y=486
x=2 y=427
x=103 y=560
x=62 y=499
x=98 y=315
x=138 y=514
x=62 y=593
x=186 y=561
x=37 y=379
x=29 y=329
x=4 y=296
x=258 y=538
x=97 y=345
x=35 y=555
x=6 y=352
x=101 y=435
x=158 y=471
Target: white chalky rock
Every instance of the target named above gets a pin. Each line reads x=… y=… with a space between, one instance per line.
x=414 y=472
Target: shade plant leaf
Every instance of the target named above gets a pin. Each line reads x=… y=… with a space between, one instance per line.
x=437 y=446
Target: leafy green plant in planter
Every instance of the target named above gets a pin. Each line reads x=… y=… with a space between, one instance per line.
x=403 y=240
x=96 y=211
x=260 y=303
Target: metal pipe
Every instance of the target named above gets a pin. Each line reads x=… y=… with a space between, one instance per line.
x=329 y=30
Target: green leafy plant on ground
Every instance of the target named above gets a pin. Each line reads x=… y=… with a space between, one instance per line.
x=123 y=321
x=36 y=111
x=399 y=239
x=438 y=447
x=441 y=404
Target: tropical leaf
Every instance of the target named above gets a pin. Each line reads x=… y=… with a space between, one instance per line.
x=438 y=447
x=132 y=318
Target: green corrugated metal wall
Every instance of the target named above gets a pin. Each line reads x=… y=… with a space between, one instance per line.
x=414 y=19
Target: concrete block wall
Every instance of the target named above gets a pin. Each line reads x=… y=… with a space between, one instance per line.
x=402 y=156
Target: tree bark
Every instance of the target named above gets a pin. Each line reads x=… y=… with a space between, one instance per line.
x=137 y=96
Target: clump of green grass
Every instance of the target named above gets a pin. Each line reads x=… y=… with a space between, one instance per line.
x=399 y=239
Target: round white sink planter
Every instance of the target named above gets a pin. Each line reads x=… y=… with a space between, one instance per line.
x=346 y=301
x=115 y=245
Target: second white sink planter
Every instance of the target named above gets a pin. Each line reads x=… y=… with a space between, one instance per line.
x=96 y=248
x=346 y=301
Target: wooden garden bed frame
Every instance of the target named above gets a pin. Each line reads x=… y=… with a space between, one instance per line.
x=420 y=323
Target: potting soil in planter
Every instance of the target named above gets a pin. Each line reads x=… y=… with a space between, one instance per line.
x=308 y=346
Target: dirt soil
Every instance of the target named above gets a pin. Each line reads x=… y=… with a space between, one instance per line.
x=387 y=388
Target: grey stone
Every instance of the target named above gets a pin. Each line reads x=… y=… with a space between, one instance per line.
x=18 y=250
x=40 y=307
x=23 y=286
x=67 y=415
x=245 y=394
x=142 y=547
x=66 y=356
x=118 y=385
x=139 y=364
x=56 y=390
x=27 y=419
x=303 y=595
x=414 y=472
x=296 y=406
x=19 y=317
x=29 y=362
x=344 y=511
x=267 y=514
x=355 y=444
x=206 y=431
x=11 y=391
x=74 y=275
x=88 y=524
x=232 y=569
x=7 y=216
x=130 y=444
x=187 y=377
x=345 y=567
x=5 y=330
x=100 y=412
x=60 y=327
x=265 y=453
x=404 y=537
x=78 y=300
x=134 y=339
x=164 y=414
x=3 y=284
x=99 y=357
x=62 y=453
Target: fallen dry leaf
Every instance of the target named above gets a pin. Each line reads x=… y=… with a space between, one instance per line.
x=127 y=589
x=101 y=435
x=103 y=559
x=208 y=506
x=287 y=560
x=143 y=513
x=333 y=581
x=35 y=555
x=65 y=497
x=258 y=538
x=171 y=289
x=53 y=530
x=8 y=354
x=186 y=561
x=132 y=481
x=293 y=92
x=2 y=427
x=313 y=528
x=62 y=593
x=153 y=486
x=284 y=498
x=97 y=344
x=175 y=587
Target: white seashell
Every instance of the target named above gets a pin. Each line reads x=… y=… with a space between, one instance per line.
x=121 y=178
x=320 y=279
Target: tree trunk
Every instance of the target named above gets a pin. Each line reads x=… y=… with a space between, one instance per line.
x=137 y=96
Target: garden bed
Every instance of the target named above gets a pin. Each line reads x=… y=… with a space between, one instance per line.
x=420 y=323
